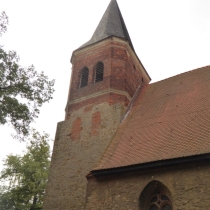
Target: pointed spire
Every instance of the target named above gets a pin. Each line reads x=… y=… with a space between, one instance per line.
x=111 y=24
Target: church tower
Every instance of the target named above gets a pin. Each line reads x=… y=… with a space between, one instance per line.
x=106 y=73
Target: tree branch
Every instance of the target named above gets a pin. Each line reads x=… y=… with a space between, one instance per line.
x=3 y=88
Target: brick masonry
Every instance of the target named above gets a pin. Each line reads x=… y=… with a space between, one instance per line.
x=95 y=125
x=76 y=129
x=122 y=70
x=188 y=188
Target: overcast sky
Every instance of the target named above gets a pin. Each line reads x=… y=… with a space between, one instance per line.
x=169 y=36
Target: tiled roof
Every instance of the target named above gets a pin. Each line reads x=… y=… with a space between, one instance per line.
x=111 y=24
x=169 y=119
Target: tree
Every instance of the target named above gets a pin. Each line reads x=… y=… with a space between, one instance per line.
x=26 y=176
x=3 y=23
x=22 y=89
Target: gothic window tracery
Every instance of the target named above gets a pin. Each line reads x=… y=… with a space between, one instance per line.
x=159 y=202
x=155 y=196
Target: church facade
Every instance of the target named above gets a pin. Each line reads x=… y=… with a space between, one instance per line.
x=126 y=143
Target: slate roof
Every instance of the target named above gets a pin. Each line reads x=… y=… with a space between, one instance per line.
x=111 y=24
x=168 y=119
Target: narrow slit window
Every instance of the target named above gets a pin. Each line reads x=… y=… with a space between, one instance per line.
x=99 y=74
x=84 y=77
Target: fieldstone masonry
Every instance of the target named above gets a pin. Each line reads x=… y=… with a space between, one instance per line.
x=189 y=188
x=79 y=143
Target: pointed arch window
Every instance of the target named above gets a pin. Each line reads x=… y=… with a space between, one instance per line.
x=155 y=196
x=99 y=73
x=84 y=77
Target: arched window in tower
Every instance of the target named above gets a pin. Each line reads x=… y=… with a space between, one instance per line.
x=155 y=196
x=99 y=73
x=84 y=77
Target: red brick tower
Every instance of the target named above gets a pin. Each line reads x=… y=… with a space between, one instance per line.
x=106 y=72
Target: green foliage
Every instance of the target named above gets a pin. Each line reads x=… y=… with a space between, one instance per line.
x=22 y=89
x=3 y=23
x=25 y=176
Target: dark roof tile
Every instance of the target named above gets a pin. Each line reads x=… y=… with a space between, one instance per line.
x=111 y=24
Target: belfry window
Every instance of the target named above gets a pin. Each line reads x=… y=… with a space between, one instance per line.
x=84 y=77
x=99 y=73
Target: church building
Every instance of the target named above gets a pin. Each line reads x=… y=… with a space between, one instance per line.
x=127 y=143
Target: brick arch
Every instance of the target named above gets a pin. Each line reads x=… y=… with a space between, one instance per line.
x=153 y=188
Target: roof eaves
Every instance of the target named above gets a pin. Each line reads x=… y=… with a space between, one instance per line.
x=151 y=165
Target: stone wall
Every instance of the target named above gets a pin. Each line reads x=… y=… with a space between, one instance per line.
x=79 y=144
x=189 y=188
